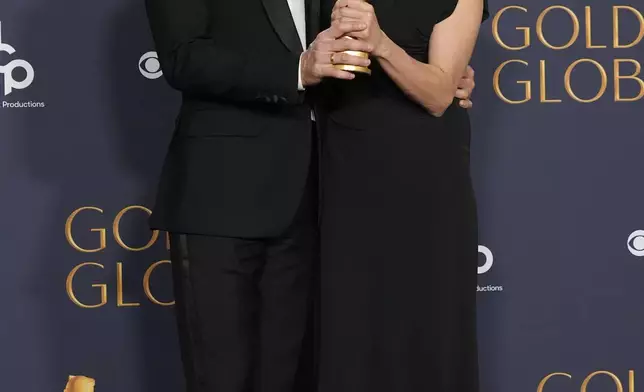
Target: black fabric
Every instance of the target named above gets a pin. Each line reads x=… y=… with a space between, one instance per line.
x=398 y=230
x=238 y=160
x=244 y=306
x=451 y=6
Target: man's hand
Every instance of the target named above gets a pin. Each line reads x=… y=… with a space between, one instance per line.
x=317 y=61
x=465 y=88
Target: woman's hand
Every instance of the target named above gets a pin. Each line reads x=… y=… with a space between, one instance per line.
x=346 y=11
x=317 y=61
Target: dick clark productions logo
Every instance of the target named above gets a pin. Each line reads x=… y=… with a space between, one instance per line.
x=489 y=259
x=488 y=262
x=7 y=70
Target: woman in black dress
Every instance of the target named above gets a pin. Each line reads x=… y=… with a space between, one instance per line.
x=399 y=231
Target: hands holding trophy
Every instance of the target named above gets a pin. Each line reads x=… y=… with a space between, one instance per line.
x=360 y=11
x=344 y=48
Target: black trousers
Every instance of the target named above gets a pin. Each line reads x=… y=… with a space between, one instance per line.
x=244 y=307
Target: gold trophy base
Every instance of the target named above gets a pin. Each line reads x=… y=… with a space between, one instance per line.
x=354 y=68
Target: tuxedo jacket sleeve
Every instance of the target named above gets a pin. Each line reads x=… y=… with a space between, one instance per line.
x=194 y=62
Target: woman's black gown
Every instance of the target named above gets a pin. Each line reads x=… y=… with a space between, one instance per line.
x=398 y=230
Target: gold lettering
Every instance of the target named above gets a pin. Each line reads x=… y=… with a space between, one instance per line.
x=70 y=237
x=69 y=285
x=117 y=232
x=575 y=22
x=542 y=84
x=146 y=283
x=639 y=16
x=497 y=84
x=618 y=77
x=618 y=383
x=568 y=83
x=589 y=29
x=497 y=36
x=119 y=288
x=543 y=382
x=631 y=380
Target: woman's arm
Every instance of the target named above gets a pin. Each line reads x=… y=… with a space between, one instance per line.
x=451 y=45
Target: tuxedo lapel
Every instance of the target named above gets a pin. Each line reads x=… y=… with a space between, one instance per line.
x=312 y=20
x=280 y=16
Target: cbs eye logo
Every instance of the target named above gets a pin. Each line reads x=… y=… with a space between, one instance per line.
x=149 y=66
x=635 y=243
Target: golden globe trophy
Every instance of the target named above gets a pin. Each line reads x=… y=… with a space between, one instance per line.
x=354 y=68
x=80 y=384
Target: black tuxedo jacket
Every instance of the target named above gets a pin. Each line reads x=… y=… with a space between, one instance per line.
x=239 y=157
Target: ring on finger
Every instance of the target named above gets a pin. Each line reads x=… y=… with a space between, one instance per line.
x=332 y=59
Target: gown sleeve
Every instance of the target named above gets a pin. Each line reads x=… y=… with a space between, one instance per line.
x=448 y=7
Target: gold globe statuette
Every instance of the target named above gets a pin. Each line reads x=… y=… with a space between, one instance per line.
x=354 y=68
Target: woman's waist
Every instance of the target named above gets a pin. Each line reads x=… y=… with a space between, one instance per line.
x=366 y=111
x=363 y=91
x=374 y=111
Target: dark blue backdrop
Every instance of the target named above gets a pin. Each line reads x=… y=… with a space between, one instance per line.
x=85 y=120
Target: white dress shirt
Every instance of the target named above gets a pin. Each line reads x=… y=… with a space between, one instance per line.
x=298 y=12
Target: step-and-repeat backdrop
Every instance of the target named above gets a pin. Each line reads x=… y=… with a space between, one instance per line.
x=558 y=141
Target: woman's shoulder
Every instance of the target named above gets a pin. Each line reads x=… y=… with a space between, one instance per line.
x=424 y=4
x=418 y=12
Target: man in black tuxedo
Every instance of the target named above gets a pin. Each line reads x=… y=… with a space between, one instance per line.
x=238 y=188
